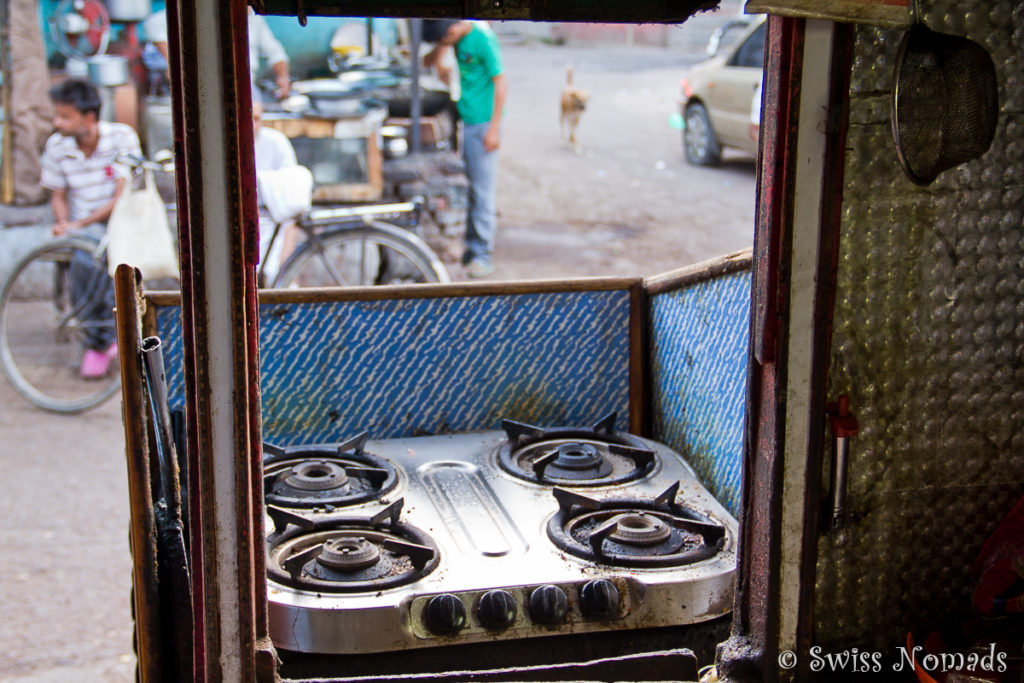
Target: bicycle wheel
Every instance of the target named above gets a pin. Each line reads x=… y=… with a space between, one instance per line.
x=373 y=254
x=46 y=325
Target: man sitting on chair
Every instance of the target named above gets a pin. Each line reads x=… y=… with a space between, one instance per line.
x=79 y=167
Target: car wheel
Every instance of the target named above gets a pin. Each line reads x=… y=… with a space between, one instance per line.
x=699 y=143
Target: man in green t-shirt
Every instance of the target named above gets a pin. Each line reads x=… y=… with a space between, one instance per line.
x=480 y=105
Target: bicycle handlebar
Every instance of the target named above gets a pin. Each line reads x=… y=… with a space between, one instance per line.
x=334 y=214
x=133 y=161
x=415 y=206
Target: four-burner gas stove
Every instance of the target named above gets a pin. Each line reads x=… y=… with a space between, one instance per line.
x=376 y=546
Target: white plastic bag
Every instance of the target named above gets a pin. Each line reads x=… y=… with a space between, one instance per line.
x=286 y=192
x=138 y=233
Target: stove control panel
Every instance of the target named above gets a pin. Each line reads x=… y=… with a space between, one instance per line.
x=519 y=610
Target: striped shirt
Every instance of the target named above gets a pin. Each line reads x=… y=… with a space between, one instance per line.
x=89 y=182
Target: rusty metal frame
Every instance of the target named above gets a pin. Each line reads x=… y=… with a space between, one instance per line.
x=750 y=651
x=640 y=11
x=807 y=338
x=639 y=360
x=799 y=191
x=215 y=184
x=826 y=268
x=699 y=272
x=427 y=291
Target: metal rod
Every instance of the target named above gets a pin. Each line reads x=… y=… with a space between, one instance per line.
x=839 y=472
x=168 y=491
x=415 y=105
x=844 y=425
x=7 y=150
x=172 y=555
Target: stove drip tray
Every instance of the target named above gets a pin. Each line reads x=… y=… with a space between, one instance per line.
x=568 y=456
x=633 y=532
x=325 y=476
x=348 y=555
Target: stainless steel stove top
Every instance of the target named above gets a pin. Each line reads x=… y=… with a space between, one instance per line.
x=464 y=547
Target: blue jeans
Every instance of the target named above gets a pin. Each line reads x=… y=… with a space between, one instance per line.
x=93 y=292
x=482 y=215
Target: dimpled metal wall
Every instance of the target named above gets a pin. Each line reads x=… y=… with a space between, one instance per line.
x=929 y=344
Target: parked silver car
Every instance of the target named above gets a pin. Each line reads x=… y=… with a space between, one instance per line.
x=717 y=92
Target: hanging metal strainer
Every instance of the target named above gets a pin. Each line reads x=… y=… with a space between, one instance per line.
x=945 y=102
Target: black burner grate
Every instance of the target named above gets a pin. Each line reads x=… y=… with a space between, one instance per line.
x=632 y=532
x=336 y=554
x=325 y=477
x=574 y=456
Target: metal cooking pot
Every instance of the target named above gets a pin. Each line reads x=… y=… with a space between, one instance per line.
x=331 y=98
x=129 y=10
x=329 y=104
x=108 y=70
x=76 y=68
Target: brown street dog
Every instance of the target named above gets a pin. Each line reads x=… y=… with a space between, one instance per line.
x=574 y=101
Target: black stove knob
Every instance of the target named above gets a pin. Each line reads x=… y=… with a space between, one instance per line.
x=599 y=598
x=496 y=609
x=444 y=614
x=549 y=605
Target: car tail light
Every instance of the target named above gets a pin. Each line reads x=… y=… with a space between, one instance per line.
x=687 y=90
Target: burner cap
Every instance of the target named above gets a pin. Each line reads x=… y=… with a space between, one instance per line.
x=349 y=553
x=639 y=529
x=315 y=475
x=577 y=456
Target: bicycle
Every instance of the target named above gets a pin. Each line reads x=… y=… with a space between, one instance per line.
x=44 y=325
x=357 y=246
x=44 y=319
x=344 y=246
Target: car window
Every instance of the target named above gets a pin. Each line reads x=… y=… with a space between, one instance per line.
x=751 y=52
x=726 y=36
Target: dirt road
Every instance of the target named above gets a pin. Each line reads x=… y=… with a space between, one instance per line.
x=64 y=562
x=628 y=205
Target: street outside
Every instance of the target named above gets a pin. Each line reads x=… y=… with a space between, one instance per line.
x=627 y=205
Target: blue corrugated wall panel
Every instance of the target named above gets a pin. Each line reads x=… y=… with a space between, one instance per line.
x=699 y=365
x=423 y=366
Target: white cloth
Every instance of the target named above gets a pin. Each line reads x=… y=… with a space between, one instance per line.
x=273 y=150
x=284 y=188
x=89 y=182
x=287 y=193
x=155 y=27
x=262 y=42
